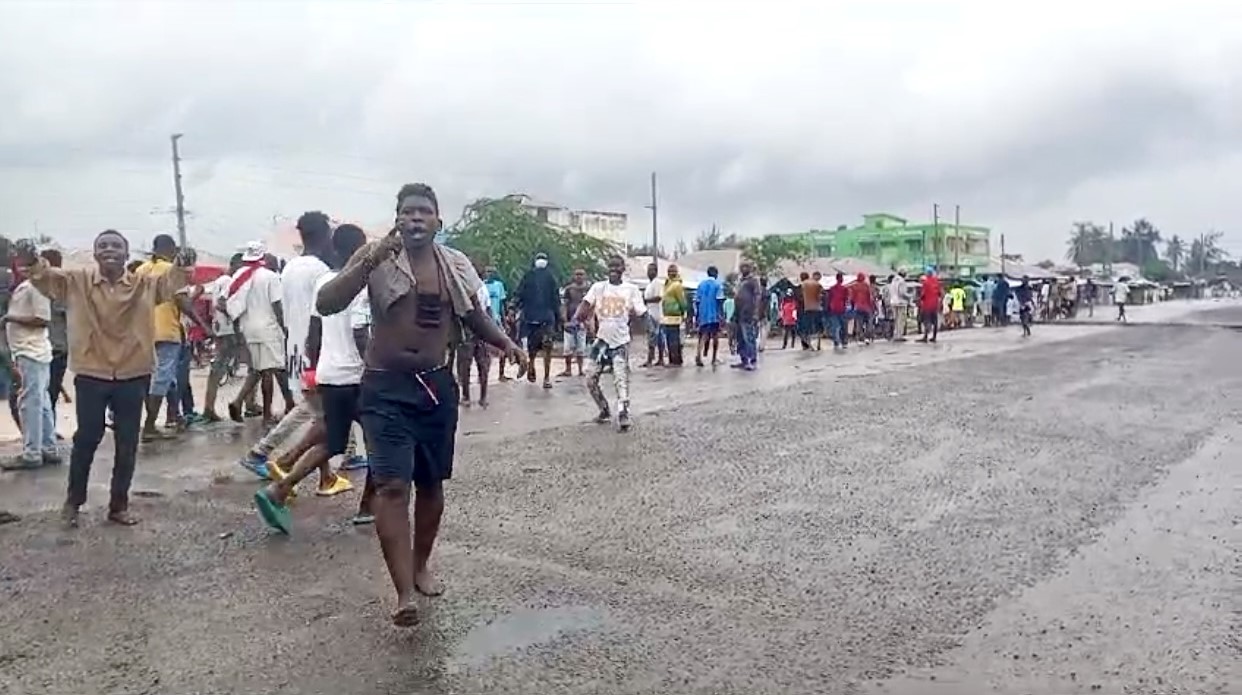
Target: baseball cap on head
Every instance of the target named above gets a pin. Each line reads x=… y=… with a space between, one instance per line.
x=255 y=251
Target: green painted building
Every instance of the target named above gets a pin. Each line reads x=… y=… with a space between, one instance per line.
x=892 y=242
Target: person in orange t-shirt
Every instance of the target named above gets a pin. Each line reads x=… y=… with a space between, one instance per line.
x=811 y=310
x=864 y=308
x=930 y=297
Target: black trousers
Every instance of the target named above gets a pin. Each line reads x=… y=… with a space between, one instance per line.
x=93 y=398
x=60 y=362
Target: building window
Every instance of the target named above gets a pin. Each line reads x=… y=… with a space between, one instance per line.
x=867 y=249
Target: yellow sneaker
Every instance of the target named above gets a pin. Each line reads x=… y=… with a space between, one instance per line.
x=339 y=484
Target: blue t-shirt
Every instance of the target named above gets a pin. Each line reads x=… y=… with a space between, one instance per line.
x=496 y=293
x=708 y=296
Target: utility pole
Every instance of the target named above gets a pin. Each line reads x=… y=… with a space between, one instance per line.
x=957 y=240
x=655 y=225
x=1003 y=255
x=936 y=232
x=1108 y=253
x=176 y=159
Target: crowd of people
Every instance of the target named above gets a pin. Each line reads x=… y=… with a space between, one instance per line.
x=383 y=335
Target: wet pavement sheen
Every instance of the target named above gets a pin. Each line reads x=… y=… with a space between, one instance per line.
x=1052 y=516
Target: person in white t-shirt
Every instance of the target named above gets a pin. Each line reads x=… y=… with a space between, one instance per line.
x=298 y=281
x=1121 y=295
x=26 y=327
x=653 y=298
x=230 y=347
x=614 y=303
x=333 y=379
x=254 y=301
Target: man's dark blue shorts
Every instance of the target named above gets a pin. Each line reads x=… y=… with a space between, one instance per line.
x=410 y=423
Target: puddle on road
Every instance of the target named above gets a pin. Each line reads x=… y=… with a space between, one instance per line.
x=523 y=628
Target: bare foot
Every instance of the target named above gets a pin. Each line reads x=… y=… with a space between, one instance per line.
x=426 y=583
x=505 y=378
x=483 y=403
x=406 y=614
x=465 y=403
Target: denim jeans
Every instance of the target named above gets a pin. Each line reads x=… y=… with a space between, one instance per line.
x=181 y=394
x=748 y=342
x=836 y=329
x=34 y=404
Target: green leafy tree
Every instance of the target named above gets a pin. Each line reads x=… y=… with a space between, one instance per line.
x=497 y=232
x=767 y=253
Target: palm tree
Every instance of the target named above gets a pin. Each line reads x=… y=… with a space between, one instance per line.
x=1086 y=244
x=1140 y=241
x=1175 y=252
x=1205 y=252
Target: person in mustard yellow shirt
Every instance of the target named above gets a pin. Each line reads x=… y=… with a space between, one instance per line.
x=168 y=335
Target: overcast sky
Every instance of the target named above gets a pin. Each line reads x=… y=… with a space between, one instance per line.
x=759 y=117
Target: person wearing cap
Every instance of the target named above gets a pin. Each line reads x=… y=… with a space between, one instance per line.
x=254 y=302
x=166 y=317
x=111 y=355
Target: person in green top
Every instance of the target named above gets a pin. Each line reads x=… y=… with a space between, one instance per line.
x=673 y=307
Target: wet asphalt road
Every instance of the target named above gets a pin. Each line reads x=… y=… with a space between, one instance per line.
x=1059 y=518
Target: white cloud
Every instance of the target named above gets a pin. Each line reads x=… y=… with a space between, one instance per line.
x=771 y=117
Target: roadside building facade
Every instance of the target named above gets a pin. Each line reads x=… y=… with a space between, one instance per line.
x=893 y=242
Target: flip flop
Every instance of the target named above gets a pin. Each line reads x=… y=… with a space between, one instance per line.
x=339 y=485
x=274 y=515
x=406 y=616
x=362 y=519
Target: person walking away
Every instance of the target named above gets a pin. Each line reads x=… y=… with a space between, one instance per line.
x=1121 y=295
x=166 y=318
x=613 y=303
x=334 y=351
x=709 y=300
x=672 y=314
x=57 y=332
x=898 y=300
x=112 y=357
x=26 y=327
x=811 y=311
x=749 y=304
x=864 y=307
x=929 y=306
x=838 y=304
x=417 y=289
x=1025 y=295
x=254 y=301
x=765 y=313
x=539 y=299
x=653 y=297
x=1089 y=292
x=1000 y=301
x=989 y=289
x=575 y=338
x=957 y=306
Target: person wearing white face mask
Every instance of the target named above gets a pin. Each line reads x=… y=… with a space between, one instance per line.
x=539 y=299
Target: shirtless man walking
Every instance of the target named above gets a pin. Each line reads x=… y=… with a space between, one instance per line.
x=417 y=288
